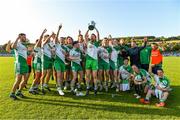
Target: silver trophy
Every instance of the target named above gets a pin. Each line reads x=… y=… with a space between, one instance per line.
x=91 y=25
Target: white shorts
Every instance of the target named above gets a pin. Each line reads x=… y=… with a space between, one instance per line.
x=158 y=93
x=124 y=87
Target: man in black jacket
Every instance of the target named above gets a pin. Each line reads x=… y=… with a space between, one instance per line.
x=134 y=53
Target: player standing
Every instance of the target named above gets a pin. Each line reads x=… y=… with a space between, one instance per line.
x=21 y=67
x=92 y=60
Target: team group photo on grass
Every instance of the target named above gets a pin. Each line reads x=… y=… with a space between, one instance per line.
x=99 y=65
x=93 y=74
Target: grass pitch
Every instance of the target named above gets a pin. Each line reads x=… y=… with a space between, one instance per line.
x=103 y=106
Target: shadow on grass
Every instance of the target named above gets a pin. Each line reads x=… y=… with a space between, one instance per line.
x=172 y=109
x=104 y=107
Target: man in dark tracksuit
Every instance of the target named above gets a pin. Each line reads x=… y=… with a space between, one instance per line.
x=134 y=53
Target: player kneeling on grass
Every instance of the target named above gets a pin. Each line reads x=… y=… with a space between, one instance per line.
x=125 y=72
x=21 y=67
x=75 y=57
x=140 y=80
x=160 y=90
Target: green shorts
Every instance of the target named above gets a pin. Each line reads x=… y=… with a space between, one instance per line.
x=103 y=65
x=47 y=63
x=148 y=83
x=37 y=67
x=124 y=81
x=59 y=65
x=76 y=67
x=21 y=68
x=113 y=65
x=37 y=64
x=91 y=64
x=68 y=67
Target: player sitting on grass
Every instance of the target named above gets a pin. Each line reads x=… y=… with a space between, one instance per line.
x=21 y=67
x=125 y=72
x=76 y=57
x=140 y=80
x=160 y=90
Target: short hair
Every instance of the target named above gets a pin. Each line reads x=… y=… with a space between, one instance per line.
x=133 y=41
x=75 y=42
x=160 y=69
x=70 y=38
x=126 y=58
x=135 y=65
x=155 y=44
x=47 y=35
x=62 y=38
x=93 y=34
x=21 y=34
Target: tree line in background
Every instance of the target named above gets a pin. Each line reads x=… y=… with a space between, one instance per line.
x=171 y=44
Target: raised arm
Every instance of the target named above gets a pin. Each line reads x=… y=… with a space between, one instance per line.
x=98 y=37
x=14 y=45
x=57 y=35
x=48 y=39
x=87 y=36
x=145 y=43
x=38 y=44
x=8 y=46
x=162 y=48
x=79 y=32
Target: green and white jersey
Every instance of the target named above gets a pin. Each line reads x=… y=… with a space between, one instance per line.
x=46 y=50
x=38 y=54
x=163 y=82
x=139 y=76
x=83 y=50
x=51 y=44
x=92 y=50
x=59 y=52
x=125 y=71
x=143 y=73
x=64 y=47
x=81 y=47
x=20 y=53
x=103 y=53
x=68 y=48
x=52 y=47
x=114 y=53
x=76 y=53
x=148 y=77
